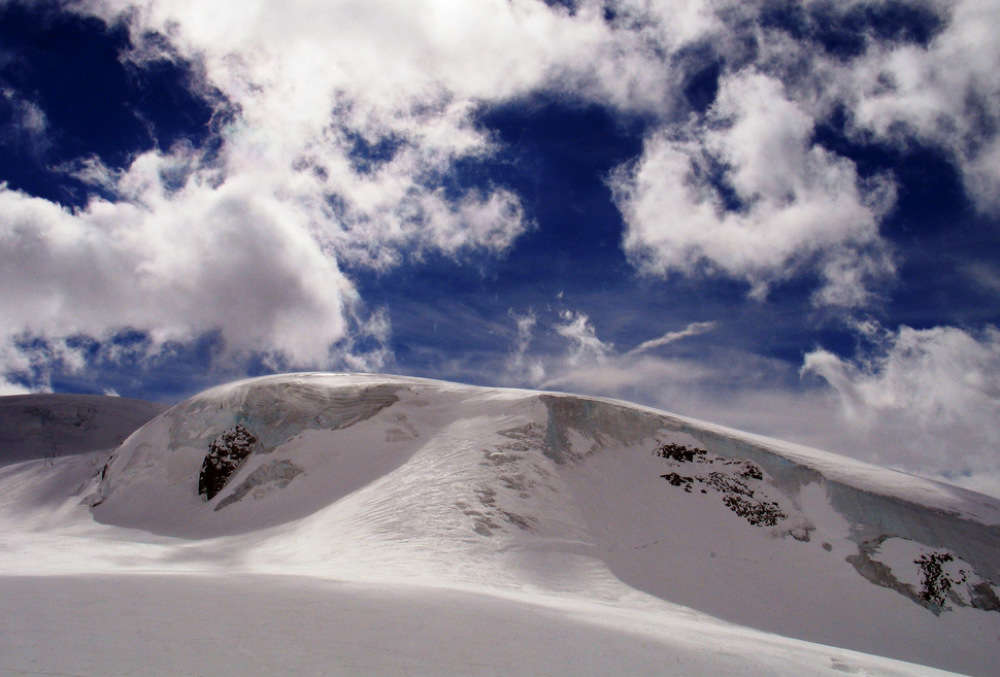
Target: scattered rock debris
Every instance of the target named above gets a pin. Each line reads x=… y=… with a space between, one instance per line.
x=757 y=513
x=936 y=583
x=939 y=582
x=732 y=481
x=679 y=481
x=681 y=453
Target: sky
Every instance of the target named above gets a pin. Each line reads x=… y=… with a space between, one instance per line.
x=781 y=216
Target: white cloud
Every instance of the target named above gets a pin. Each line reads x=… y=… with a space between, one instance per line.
x=925 y=400
x=252 y=242
x=796 y=200
x=310 y=78
x=91 y=171
x=519 y=367
x=585 y=346
x=374 y=330
x=15 y=361
x=229 y=256
x=946 y=95
x=922 y=401
x=800 y=205
x=8 y=388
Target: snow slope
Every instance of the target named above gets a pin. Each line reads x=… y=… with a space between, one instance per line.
x=494 y=513
x=46 y=426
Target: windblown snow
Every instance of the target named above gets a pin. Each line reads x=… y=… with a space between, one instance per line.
x=391 y=525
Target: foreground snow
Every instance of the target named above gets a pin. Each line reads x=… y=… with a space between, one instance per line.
x=275 y=625
x=385 y=525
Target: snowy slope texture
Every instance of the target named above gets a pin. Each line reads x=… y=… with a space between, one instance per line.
x=48 y=425
x=401 y=479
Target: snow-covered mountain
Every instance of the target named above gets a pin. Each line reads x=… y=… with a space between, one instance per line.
x=677 y=544
x=46 y=426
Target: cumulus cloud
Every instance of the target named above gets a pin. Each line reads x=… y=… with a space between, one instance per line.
x=318 y=84
x=8 y=388
x=339 y=126
x=174 y=263
x=926 y=400
x=945 y=94
x=749 y=193
x=747 y=190
x=251 y=240
x=13 y=360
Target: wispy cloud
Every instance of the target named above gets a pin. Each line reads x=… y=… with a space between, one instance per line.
x=28 y=124
x=594 y=365
x=520 y=366
x=692 y=329
x=584 y=344
x=924 y=399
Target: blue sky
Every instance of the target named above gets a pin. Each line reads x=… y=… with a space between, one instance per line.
x=781 y=216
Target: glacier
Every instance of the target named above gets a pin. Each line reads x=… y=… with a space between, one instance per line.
x=616 y=518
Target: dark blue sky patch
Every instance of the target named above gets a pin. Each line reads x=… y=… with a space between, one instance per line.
x=701 y=86
x=41 y=361
x=897 y=21
x=847 y=32
x=557 y=156
x=567 y=5
x=366 y=155
x=702 y=68
x=934 y=230
x=934 y=282
x=786 y=15
x=94 y=103
x=128 y=364
x=715 y=173
x=930 y=194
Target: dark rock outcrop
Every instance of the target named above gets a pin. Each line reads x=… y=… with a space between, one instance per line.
x=225 y=455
